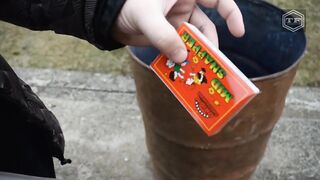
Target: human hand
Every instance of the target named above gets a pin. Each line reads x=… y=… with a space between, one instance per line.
x=153 y=22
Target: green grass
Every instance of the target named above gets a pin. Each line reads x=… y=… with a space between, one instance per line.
x=24 y=48
x=309 y=71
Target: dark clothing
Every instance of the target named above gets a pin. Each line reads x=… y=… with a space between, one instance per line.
x=91 y=20
x=23 y=148
x=30 y=134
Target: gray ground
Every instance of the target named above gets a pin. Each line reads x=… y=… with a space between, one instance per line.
x=105 y=136
x=101 y=120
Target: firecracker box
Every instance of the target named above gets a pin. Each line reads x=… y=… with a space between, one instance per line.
x=207 y=83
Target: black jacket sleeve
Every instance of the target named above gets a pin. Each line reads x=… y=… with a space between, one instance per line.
x=90 y=20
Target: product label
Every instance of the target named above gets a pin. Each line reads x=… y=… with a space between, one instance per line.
x=207 y=84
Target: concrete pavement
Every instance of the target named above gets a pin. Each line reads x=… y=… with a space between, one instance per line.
x=105 y=136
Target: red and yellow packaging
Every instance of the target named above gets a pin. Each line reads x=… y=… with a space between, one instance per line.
x=207 y=83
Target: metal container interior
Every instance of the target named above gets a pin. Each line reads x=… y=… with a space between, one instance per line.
x=268 y=54
x=266 y=49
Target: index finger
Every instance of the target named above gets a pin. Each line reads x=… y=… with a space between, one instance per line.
x=229 y=10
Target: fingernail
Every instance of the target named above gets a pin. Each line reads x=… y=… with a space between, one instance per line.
x=179 y=55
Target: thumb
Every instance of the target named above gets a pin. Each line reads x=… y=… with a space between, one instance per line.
x=163 y=36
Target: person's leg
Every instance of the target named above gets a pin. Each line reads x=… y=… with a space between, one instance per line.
x=23 y=149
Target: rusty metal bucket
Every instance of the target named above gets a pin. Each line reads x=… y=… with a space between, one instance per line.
x=179 y=149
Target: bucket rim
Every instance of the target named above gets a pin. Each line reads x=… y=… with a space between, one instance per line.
x=254 y=79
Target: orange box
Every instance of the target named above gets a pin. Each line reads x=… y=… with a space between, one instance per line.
x=207 y=83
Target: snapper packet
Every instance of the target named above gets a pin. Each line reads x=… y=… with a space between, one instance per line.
x=207 y=83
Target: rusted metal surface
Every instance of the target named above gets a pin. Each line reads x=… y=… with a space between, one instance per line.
x=178 y=147
x=181 y=150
